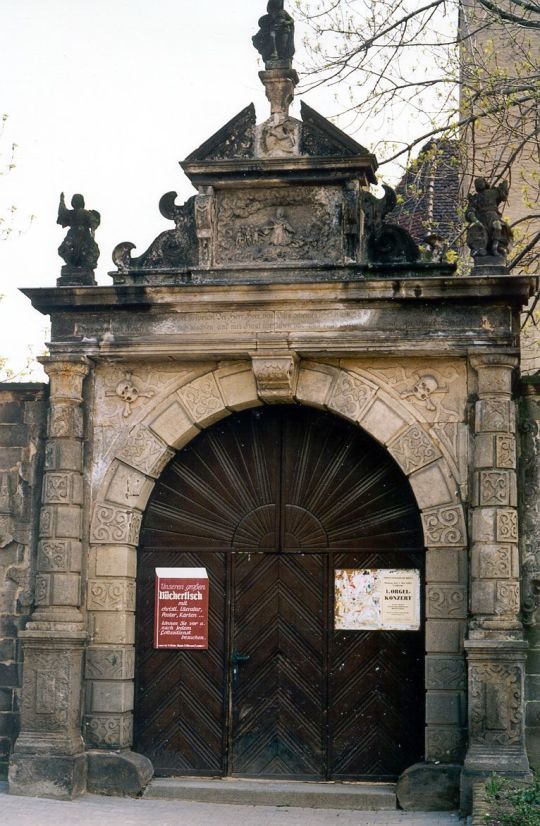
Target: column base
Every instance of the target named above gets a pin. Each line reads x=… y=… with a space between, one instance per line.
x=118 y=774
x=41 y=775
x=479 y=768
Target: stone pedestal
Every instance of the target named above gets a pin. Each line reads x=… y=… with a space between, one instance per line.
x=495 y=648
x=496 y=711
x=76 y=277
x=49 y=757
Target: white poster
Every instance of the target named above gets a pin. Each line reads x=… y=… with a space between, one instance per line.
x=377 y=600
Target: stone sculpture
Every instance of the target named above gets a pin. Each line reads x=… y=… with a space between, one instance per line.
x=275 y=39
x=78 y=249
x=488 y=233
x=386 y=243
x=175 y=248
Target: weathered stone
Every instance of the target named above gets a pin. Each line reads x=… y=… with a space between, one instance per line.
x=106 y=696
x=445 y=635
x=118 y=774
x=62 y=778
x=426 y=787
x=116 y=561
x=433 y=487
x=445 y=708
x=174 y=426
x=239 y=388
x=383 y=421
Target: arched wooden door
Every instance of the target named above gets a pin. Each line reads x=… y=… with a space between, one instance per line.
x=271 y=502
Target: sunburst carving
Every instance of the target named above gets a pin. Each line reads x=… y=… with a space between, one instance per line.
x=335 y=488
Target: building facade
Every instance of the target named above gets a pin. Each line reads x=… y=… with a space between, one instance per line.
x=282 y=393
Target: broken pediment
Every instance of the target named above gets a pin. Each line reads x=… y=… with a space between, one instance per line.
x=234 y=140
x=320 y=138
x=313 y=136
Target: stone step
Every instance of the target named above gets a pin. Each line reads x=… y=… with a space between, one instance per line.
x=352 y=796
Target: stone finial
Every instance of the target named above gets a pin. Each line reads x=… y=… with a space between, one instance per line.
x=78 y=249
x=488 y=234
x=275 y=43
x=275 y=39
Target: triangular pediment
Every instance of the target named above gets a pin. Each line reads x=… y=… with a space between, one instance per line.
x=320 y=138
x=234 y=140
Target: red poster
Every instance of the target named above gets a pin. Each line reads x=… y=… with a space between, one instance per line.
x=181 y=608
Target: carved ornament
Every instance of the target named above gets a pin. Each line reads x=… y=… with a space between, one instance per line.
x=414 y=449
x=276 y=377
x=295 y=224
x=112 y=525
x=444 y=526
x=128 y=393
x=145 y=452
x=496 y=702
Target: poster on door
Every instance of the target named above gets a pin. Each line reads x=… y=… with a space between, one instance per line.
x=181 y=608
x=377 y=600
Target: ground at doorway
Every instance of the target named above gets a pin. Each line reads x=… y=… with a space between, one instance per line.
x=89 y=810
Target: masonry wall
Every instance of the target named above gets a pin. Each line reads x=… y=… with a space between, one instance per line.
x=529 y=488
x=22 y=428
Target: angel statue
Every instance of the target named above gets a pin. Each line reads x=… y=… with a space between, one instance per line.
x=275 y=39
x=488 y=232
x=78 y=249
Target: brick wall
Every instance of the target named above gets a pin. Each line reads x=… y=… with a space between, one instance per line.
x=22 y=426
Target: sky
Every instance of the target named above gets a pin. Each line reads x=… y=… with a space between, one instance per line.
x=104 y=98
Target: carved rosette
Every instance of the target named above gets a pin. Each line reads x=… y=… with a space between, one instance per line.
x=276 y=377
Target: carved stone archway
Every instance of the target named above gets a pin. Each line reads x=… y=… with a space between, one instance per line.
x=171 y=424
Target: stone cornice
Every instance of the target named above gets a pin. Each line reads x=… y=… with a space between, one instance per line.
x=515 y=290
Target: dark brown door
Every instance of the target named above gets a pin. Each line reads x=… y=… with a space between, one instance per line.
x=272 y=502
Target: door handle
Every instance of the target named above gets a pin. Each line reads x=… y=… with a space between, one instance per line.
x=237 y=659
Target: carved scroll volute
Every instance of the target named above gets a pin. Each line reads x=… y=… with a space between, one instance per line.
x=276 y=376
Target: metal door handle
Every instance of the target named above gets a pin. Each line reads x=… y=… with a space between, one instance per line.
x=239 y=658
x=236 y=660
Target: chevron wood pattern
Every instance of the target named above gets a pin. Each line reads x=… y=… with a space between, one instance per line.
x=271 y=502
x=278 y=696
x=181 y=695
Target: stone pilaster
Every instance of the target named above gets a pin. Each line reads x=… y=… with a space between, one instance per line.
x=49 y=755
x=495 y=648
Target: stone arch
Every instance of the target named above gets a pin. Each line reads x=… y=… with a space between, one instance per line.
x=169 y=426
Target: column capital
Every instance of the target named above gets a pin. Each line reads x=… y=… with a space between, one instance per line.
x=495 y=371
x=486 y=360
x=67 y=374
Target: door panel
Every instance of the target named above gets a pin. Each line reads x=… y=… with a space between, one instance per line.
x=376 y=691
x=181 y=695
x=278 y=697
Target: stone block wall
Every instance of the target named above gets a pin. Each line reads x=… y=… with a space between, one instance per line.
x=22 y=425
x=529 y=488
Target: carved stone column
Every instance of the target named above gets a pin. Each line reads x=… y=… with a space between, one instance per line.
x=495 y=648
x=49 y=755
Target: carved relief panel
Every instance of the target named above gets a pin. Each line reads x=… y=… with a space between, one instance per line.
x=299 y=223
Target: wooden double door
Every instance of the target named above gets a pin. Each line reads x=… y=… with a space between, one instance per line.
x=272 y=502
